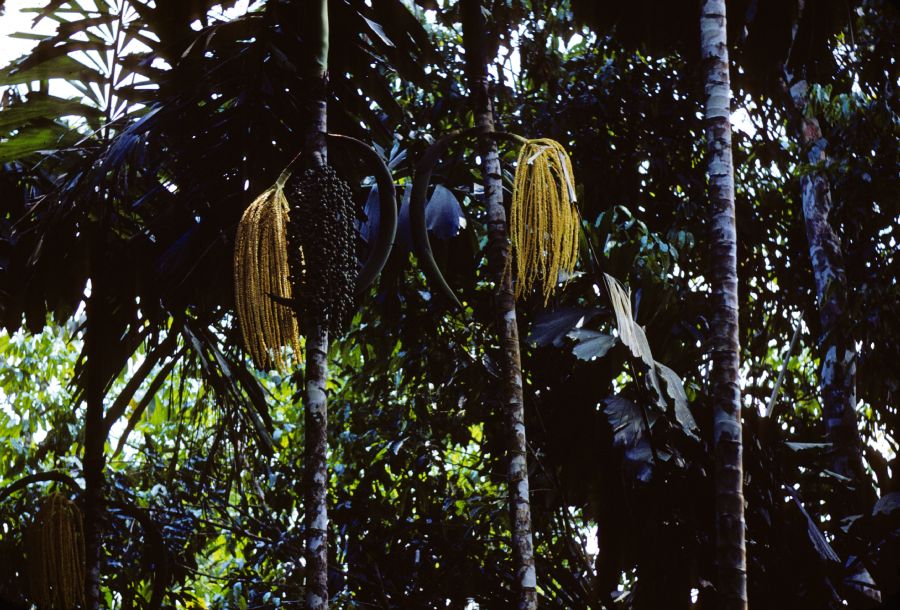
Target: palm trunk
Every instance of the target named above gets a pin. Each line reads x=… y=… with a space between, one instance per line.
x=316 y=373
x=474 y=33
x=730 y=546
x=95 y=431
x=316 y=426
x=837 y=379
x=92 y=469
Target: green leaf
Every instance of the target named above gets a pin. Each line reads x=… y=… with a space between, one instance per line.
x=29 y=141
x=630 y=435
x=798 y=447
x=591 y=343
x=158 y=416
x=62 y=66
x=675 y=389
x=28 y=36
x=18 y=116
x=552 y=327
x=379 y=31
x=887 y=504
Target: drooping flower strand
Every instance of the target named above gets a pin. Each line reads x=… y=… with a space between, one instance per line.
x=55 y=551
x=261 y=272
x=544 y=222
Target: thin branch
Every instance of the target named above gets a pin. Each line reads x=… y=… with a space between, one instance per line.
x=122 y=401
x=50 y=475
x=145 y=400
x=787 y=357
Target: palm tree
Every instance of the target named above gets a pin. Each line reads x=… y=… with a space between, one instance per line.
x=730 y=546
x=169 y=222
x=316 y=372
x=498 y=253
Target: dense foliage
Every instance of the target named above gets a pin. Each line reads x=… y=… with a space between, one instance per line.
x=132 y=180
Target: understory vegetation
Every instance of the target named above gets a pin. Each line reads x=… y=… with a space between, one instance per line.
x=378 y=393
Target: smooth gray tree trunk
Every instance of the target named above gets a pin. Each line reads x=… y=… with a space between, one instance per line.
x=316 y=373
x=498 y=252
x=730 y=536
x=93 y=461
x=837 y=378
x=316 y=486
x=93 y=465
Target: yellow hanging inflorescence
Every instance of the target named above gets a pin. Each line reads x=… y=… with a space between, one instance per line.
x=544 y=221
x=55 y=548
x=260 y=272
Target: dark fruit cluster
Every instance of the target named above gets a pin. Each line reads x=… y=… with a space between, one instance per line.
x=322 y=242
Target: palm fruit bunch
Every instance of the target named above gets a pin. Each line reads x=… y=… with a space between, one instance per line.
x=322 y=247
x=55 y=549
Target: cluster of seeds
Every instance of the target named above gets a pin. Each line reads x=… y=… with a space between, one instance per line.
x=322 y=243
x=55 y=548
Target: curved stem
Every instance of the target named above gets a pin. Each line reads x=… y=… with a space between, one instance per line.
x=387 y=228
x=39 y=477
x=770 y=406
x=419 y=196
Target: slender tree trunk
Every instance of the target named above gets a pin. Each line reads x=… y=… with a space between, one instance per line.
x=730 y=546
x=837 y=379
x=95 y=430
x=474 y=33
x=316 y=373
x=316 y=423
x=93 y=465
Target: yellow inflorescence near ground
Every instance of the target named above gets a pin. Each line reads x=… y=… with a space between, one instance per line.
x=56 y=555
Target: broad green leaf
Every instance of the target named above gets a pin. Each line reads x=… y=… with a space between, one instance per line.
x=552 y=327
x=675 y=389
x=591 y=343
x=621 y=303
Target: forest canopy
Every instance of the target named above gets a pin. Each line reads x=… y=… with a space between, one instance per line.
x=472 y=304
